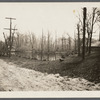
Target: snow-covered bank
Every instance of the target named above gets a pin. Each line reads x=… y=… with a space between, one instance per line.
x=13 y=78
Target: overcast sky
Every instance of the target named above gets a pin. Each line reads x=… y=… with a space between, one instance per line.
x=33 y=17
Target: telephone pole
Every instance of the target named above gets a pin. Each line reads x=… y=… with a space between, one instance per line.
x=10 y=36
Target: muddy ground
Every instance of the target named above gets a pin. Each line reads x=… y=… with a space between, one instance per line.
x=73 y=74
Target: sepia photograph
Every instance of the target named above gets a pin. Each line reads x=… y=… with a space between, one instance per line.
x=49 y=47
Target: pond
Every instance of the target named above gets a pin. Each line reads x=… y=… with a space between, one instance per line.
x=37 y=56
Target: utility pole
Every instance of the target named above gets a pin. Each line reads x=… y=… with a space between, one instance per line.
x=10 y=36
x=84 y=20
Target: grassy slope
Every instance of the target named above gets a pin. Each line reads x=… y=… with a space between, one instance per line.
x=72 y=66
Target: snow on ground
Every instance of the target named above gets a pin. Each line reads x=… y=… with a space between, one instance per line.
x=13 y=78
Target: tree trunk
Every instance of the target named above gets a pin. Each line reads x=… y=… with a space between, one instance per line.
x=48 y=46
x=6 y=45
x=78 y=40
x=69 y=43
x=62 y=44
x=91 y=31
x=84 y=19
x=99 y=35
x=42 y=47
x=75 y=45
x=55 y=45
x=90 y=45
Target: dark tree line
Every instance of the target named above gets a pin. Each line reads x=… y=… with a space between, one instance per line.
x=85 y=27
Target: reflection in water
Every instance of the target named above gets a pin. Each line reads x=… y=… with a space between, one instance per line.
x=37 y=56
x=51 y=57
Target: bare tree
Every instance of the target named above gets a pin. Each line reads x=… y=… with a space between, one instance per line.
x=78 y=29
x=84 y=31
x=55 y=44
x=62 y=43
x=75 y=42
x=6 y=44
x=48 y=45
x=93 y=19
x=42 y=46
x=32 y=42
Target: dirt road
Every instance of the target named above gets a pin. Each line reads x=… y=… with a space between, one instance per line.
x=13 y=78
